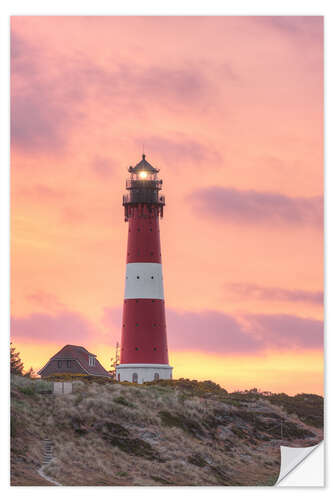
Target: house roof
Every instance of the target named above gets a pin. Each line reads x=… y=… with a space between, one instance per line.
x=81 y=355
x=71 y=349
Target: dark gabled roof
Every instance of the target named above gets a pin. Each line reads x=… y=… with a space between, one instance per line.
x=81 y=355
x=143 y=165
x=71 y=349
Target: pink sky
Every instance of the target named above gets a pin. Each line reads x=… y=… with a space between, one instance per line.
x=231 y=111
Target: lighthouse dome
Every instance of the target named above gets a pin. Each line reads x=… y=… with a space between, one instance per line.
x=143 y=165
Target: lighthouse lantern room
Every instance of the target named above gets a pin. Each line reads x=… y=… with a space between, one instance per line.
x=144 y=350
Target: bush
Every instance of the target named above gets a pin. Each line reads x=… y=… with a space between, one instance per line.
x=28 y=390
x=122 y=401
x=192 y=387
x=177 y=420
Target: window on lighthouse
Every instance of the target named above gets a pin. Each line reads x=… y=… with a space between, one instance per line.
x=135 y=378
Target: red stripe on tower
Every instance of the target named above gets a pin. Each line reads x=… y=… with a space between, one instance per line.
x=144 y=351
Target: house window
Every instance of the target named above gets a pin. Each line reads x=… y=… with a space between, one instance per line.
x=69 y=363
x=135 y=378
x=59 y=364
x=156 y=376
x=92 y=361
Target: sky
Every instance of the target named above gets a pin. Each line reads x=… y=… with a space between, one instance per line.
x=230 y=109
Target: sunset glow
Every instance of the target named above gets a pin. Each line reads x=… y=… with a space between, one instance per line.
x=230 y=109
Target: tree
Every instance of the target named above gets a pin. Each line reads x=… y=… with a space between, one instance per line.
x=30 y=373
x=114 y=362
x=16 y=364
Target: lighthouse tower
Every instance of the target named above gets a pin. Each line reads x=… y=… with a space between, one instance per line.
x=144 y=350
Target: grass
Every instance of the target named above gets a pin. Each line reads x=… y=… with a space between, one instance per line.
x=31 y=386
x=123 y=401
x=164 y=433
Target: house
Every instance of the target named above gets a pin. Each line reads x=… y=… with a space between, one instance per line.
x=73 y=360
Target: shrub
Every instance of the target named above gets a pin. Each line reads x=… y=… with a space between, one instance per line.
x=197 y=460
x=122 y=401
x=29 y=390
x=43 y=387
x=178 y=420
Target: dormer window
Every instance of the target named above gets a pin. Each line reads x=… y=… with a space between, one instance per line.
x=92 y=361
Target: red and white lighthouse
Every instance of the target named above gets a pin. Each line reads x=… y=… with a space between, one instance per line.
x=144 y=350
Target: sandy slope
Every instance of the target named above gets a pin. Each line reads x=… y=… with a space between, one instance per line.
x=183 y=433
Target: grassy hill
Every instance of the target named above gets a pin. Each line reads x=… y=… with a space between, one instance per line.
x=177 y=432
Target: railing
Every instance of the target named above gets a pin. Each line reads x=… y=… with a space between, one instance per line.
x=143 y=184
x=143 y=197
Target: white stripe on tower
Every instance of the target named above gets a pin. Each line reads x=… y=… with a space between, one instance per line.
x=144 y=280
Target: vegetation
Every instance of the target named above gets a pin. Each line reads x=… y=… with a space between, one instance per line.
x=16 y=364
x=179 y=432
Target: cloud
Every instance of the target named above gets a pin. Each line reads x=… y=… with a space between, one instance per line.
x=42 y=105
x=209 y=331
x=212 y=332
x=45 y=300
x=131 y=81
x=20 y=49
x=284 y=331
x=257 y=207
x=43 y=192
x=180 y=148
x=252 y=291
x=310 y=27
x=64 y=327
x=103 y=166
x=48 y=101
x=215 y=332
x=112 y=317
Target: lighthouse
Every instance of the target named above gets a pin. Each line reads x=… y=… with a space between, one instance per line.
x=144 y=349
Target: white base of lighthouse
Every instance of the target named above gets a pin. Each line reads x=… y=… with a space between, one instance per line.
x=139 y=373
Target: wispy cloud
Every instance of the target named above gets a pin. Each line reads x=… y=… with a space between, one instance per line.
x=220 y=333
x=216 y=332
x=41 y=105
x=45 y=106
x=103 y=166
x=257 y=207
x=294 y=26
x=45 y=300
x=180 y=148
x=64 y=327
x=275 y=294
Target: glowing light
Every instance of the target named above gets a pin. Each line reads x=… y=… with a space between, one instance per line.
x=143 y=174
